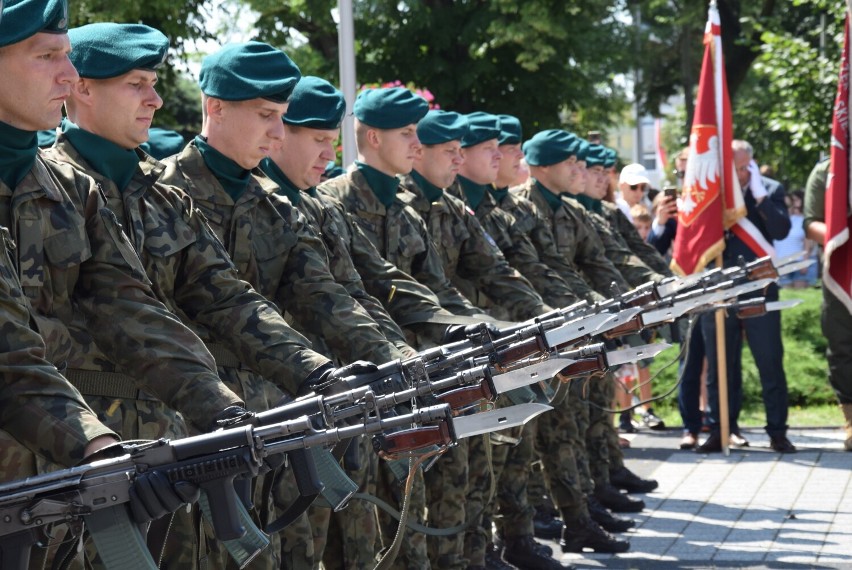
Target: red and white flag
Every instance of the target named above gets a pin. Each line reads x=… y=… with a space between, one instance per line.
x=837 y=273
x=711 y=200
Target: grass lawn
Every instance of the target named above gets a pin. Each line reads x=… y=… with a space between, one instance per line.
x=812 y=402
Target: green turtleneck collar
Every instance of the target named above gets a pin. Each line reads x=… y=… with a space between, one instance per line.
x=105 y=157
x=382 y=185
x=499 y=193
x=286 y=188
x=431 y=191
x=473 y=192
x=18 y=151
x=233 y=177
x=553 y=200
x=590 y=203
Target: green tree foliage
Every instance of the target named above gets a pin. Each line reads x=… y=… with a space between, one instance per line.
x=550 y=62
x=182 y=21
x=781 y=82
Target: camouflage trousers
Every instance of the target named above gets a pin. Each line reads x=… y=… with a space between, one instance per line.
x=349 y=539
x=511 y=463
x=479 y=494
x=446 y=487
x=413 y=553
x=556 y=445
x=601 y=436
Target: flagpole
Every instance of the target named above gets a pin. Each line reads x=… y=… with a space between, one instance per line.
x=722 y=376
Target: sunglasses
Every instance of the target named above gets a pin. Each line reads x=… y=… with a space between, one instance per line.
x=637 y=187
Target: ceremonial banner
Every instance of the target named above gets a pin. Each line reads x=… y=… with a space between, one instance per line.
x=711 y=200
x=837 y=274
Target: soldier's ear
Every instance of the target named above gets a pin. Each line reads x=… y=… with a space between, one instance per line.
x=215 y=108
x=80 y=89
x=374 y=138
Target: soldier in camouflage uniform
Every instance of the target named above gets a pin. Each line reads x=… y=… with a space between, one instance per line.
x=311 y=127
x=469 y=255
x=553 y=159
x=73 y=262
x=269 y=240
x=180 y=253
x=387 y=144
x=467 y=252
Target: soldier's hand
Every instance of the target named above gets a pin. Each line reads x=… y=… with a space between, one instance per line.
x=456 y=333
x=330 y=380
x=152 y=495
x=232 y=416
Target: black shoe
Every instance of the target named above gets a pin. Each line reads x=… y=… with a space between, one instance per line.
x=781 y=444
x=616 y=501
x=737 y=440
x=525 y=554
x=493 y=560
x=652 y=421
x=608 y=521
x=545 y=525
x=625 y=423
x=624 y=478
x=712 y=444
x=585 y=533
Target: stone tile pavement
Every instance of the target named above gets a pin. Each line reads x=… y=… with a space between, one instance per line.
x=752 y=509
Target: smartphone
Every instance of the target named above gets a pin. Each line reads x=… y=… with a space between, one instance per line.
x=670 y=192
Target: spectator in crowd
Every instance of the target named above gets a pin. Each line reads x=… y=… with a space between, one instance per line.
x=642 y=219
x=796 y=242
x=633 y=185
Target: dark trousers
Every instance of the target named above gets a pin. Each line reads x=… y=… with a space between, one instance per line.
x=837 y=328
x=764 y=339
x=690 y=368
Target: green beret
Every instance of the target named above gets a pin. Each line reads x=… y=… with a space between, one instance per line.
x=22 y=19
x=439 y=126
x=104 y=50
x=163 y=143
x=483 y=127
x=510 y=130
x=582 y=150
x=315 y=103
x=389 y=107
x=549 y=147
x=252 y=70
x=596 y=156
x=611 y=158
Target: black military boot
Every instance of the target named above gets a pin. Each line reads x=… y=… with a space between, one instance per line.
x=616 y=501
x=624 y=478
x=583 y=532
x=493 y=560
x=546 y=525
x=608 y=521
x=525 y=553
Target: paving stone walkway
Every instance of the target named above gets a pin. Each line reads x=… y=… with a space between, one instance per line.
x=753 y=509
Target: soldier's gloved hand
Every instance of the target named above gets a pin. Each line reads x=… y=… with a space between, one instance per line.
x=152 y=495
x=330 y=380
x=232 y=416
x=456 y=333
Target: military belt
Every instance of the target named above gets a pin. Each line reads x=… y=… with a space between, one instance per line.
x=224 y=357
x=106 y=384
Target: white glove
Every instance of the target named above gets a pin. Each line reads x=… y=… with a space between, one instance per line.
x=755 y=182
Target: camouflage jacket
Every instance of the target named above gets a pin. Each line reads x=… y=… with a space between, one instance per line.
x=193 y=276
x=552 y=275
x=274 y=249
x=327 y=218
x=576 y=239
x=469 y=253
x=633 y=269
x=73 y=256
x=623 y=227
x=400 y=236
x=38 y=407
